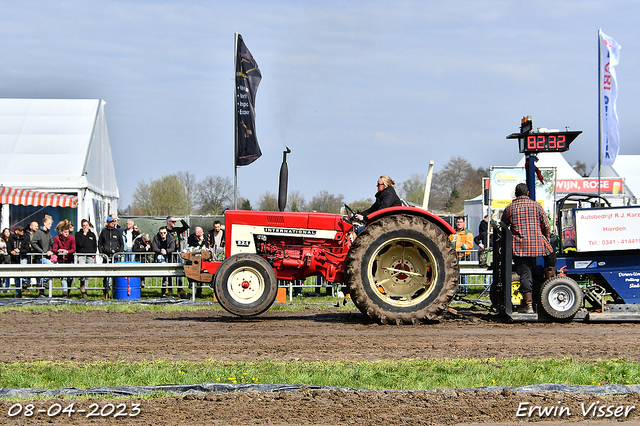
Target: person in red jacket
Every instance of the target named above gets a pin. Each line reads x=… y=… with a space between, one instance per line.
x=64 y=247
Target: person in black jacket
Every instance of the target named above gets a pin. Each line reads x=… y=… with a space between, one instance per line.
x=86 y=249
x=142 y=244
x=42 y=243
x=385 y=197
x=177 y=232
x=215 y=240
x=18 y=248
x=110 y=242
x=197 y=239
x=164 y=246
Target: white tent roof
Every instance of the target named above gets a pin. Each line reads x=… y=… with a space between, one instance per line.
x=56 y=145
x=554 y=159
x=625 y=166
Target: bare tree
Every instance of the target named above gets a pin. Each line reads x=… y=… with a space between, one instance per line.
x=125 y=211
x=325 y=202
x=296 y=202
x=168 y=196
x=268 y=202
x=215 y=193
x=190 y=185
x=413 y=188
x=160 y=197
x=141 y=203
x=456 y=182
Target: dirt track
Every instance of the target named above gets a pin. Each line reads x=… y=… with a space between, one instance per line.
x=312 y=334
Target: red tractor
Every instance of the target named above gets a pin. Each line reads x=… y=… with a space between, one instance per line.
x=400 y=269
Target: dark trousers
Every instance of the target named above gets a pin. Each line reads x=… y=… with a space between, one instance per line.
x=525 y=267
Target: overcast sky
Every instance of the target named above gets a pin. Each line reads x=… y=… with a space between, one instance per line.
x=356 y=89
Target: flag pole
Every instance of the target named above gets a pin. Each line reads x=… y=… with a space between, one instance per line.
x=235 y=127
x=599 y=111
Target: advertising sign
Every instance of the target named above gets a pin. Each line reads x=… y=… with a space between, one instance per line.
x=615 y=228
x=590 y=186
x=503 y=184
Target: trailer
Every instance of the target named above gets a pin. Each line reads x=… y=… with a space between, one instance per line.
x=598 y=253
x=598 y=266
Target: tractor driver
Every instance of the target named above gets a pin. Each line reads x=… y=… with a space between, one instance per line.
x=385 y=197
x=531 y=230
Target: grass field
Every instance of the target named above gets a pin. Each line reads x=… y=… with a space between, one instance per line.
x=406 y=374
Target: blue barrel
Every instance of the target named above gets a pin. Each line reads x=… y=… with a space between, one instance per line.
x=127 y=288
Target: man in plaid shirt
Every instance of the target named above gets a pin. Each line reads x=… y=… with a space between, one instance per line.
x=530 y=229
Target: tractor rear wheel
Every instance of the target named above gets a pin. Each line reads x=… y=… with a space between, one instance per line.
x=402 y=269
x=561 y=297
x=245 y=285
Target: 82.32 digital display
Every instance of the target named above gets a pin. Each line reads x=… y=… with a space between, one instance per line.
x=546 y=142
x=543 y=140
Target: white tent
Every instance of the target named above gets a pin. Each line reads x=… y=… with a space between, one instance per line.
x=554 y=159
x=58 y=146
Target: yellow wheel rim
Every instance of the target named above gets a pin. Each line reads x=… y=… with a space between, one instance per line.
x=402 y=272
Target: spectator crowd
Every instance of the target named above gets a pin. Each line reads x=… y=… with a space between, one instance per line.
x=36 y=244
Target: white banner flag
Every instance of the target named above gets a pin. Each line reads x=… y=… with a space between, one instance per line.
x=609 y=58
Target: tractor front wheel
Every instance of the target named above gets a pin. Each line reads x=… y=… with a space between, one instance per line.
x=402 y=269
x=245 y=285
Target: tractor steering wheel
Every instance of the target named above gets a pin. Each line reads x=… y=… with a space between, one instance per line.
x=351 y=218
x=350 y=211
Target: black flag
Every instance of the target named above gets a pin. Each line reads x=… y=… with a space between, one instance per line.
x=247 y=80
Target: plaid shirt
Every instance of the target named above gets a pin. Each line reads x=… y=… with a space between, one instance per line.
x=529 y=226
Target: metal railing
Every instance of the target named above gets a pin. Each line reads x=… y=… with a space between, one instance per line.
x=126 y=264
x=129 y=264
x=94 y=270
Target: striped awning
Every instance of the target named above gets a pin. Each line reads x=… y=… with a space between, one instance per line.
x=28 y=197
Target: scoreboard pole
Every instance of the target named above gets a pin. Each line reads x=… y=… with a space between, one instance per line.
x=526 y=126
x=531 y=175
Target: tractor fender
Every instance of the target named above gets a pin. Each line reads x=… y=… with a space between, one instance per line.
x=416 y=211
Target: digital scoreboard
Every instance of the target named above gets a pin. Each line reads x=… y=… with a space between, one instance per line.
x=531 y=142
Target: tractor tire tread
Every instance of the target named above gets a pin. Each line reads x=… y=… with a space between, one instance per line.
x=445 y=287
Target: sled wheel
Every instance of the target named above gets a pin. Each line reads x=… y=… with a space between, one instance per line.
x=561 y=297
x=245 y=285
x=402 y=269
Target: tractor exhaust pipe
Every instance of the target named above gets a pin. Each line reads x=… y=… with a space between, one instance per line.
x=284 y=179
